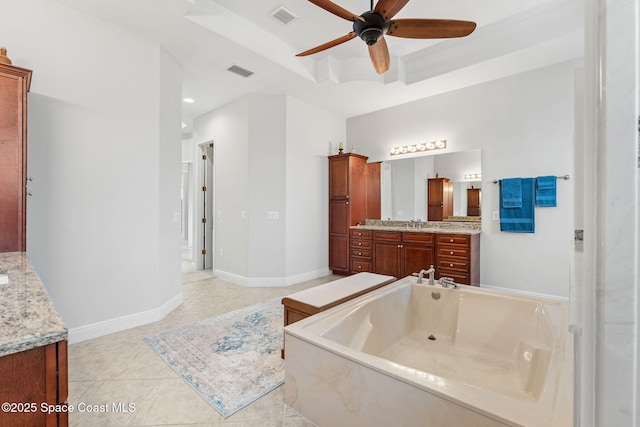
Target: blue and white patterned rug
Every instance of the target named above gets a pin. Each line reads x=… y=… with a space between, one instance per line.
x=230 y=360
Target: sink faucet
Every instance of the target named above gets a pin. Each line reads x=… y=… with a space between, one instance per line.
x=431 y=272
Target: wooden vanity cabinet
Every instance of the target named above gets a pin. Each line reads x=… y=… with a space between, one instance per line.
x=402 y=253
x=440 y=199
x=35 y=377
x=458 y=257
x=361 y=251
x=14 y=86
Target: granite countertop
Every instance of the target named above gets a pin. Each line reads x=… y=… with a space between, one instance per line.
x=439 y=227
x=28 y=318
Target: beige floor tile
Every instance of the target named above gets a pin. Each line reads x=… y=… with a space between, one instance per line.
x=122 y=369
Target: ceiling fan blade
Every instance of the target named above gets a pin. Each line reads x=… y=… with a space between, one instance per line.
x=379 y=54
x=331 y=7
x=388 y=8
x=430 y=28
x=328 y=45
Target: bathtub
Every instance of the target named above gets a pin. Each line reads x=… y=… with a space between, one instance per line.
x=413 y=354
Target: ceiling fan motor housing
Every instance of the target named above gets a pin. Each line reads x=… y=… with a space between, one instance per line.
x=371 y=29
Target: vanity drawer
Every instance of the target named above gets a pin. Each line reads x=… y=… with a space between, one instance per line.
x=364 y=244
x=387 y=236
x=361 y=253
x=426 y=238
x=450 y=263
x=452 y=239
x=453 y=251
x=364 y=234
x=358 y=266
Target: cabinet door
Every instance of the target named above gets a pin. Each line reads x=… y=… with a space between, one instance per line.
x=416 y=258
x=387 y=259
x=12 y=162
x=339 y=178
x=339 y=252
x=339 y=217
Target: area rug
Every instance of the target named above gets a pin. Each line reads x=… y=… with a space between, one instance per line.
x=230 y=360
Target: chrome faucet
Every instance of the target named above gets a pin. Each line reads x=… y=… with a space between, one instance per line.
x=446 y=282
x=431 y=272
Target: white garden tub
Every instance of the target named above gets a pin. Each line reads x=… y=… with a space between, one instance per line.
x=417 y=355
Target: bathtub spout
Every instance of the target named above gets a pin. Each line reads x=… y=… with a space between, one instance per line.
x=431 y=272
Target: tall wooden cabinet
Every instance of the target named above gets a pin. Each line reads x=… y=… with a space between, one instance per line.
x=347 y=205
x=14 y=86
x=440 y=199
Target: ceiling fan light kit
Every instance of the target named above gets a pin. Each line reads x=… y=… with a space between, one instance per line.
x=373 y=25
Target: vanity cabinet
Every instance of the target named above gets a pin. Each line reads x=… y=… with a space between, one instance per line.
x=361 y=251
x=402 y=253
x=14 y=86
x=32 y=378
x=440 y=199
x=458 y=257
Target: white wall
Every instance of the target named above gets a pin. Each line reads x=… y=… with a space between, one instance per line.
x=228 y=128
x=100 y=221
x=312 y=135
x=271 y=156
x=524 y=126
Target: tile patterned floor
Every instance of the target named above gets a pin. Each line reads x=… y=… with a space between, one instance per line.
x=122 y=369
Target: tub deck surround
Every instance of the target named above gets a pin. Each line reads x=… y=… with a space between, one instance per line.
x=303 y=304
x=454 y=357
x=28 y=318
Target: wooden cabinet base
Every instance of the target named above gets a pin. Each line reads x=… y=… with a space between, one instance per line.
x=33 y=381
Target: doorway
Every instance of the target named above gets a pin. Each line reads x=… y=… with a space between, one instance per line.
x=206 y=204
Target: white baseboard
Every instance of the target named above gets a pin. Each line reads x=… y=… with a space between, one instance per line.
x=118 y=324
x=271 y=282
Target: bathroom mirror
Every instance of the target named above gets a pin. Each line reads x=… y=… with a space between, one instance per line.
x=404 y=183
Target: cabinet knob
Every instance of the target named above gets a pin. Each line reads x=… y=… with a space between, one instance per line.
x=359 y=267
x=451 y=240
x=451 y=253
x=359 y=253
x=450 y=265
x=347 y=196
x=359 y=244
x=347 y=203
x=359 y=234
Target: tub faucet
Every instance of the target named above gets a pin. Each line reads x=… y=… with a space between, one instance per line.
x=447 y=282
x=431 y=272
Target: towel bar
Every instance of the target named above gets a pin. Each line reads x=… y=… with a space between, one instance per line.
x=565 y=177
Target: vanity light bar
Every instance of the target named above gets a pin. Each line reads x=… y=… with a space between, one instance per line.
x=472 y=176
x=416 y=148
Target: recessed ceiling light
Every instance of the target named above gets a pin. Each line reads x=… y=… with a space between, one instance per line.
x=184 y=125
x=188 y=100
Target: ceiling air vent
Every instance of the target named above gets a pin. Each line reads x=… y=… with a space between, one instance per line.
x=240 y=71
x=283 y=14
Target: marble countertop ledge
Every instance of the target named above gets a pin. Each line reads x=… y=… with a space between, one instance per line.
x=421 y=227
x=28 y=318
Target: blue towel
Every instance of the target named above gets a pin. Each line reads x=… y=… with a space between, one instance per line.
x=546 y=191
x=519 y=220
x=511 y=193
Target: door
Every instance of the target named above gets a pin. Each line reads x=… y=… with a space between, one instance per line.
x=207 y=194
x=435 y=198
x=473 y=202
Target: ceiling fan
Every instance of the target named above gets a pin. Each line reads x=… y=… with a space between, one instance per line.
x=372 y=26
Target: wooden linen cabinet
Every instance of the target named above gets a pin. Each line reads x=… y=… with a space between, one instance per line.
x=14 y=86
